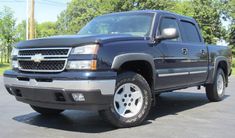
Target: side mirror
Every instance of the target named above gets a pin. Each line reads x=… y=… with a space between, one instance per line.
x=168 y=33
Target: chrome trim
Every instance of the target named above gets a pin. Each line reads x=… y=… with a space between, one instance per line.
x=46 y=58
x=181 y=71
x=197 y=72
x=184 y=58
x=173 y=74
x=31 y=49
x=106 y=87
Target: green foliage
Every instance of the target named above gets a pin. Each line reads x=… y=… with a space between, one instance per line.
x=233 y=66
x=21 y=31
x=79 y=12
x=46 y=29
x=207 y=12
x=230 y=11
x=7 y=32
x=233 y=63
x=4 y=67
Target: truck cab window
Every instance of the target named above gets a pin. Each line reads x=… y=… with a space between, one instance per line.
x=190 y=32
x=169 y=23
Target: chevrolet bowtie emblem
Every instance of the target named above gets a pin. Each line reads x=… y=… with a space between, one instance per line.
x=37 y=58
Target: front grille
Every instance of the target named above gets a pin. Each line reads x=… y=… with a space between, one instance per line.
x=50 y=59
x=42 y=66
x=49 y=52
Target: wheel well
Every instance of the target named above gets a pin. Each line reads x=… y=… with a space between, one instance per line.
x=223 y=66
x=141 y=67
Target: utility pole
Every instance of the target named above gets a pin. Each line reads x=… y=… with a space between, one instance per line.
x=30 y=20
x=27 y=20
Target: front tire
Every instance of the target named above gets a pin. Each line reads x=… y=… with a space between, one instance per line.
x=46 y=111
x=215 y=91
x=131 y=102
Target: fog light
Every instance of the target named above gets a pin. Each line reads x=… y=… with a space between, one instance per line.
x=78 y=97
x=14 y=64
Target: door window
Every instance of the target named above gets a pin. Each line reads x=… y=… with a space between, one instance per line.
x=169 y=23
x=191 y=34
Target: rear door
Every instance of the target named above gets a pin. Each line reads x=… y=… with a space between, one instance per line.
x=197 y=52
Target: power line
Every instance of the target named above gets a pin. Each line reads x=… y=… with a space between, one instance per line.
x=45 y=2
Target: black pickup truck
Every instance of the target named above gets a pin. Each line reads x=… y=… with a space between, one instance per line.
x=116 y=65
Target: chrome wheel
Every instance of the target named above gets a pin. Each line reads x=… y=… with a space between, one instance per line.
x=128 y=100
x=220 y=84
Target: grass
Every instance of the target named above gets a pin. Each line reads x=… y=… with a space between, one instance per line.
x=233 y=73
x=233 y=67
x=3 y=67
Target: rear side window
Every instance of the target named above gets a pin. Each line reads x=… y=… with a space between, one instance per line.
x=190 y=32
x=169 y=23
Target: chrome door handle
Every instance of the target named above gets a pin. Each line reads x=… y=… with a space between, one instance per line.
x=203 y=52
x=184 y=51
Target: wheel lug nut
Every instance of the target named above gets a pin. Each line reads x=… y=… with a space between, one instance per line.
x=123 y=100
x=125 y=104
x=129 y=95
x=125 y=95
x=129 y=104
x=131 y=99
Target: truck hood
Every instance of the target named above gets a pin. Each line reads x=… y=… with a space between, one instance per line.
x=75 y=40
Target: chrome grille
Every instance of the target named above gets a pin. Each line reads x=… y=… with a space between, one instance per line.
x=44 y=52
x=50 y=59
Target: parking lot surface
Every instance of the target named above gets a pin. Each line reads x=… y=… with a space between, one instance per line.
x=182 y=114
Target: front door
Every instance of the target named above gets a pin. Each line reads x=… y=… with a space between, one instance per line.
x=171 y=66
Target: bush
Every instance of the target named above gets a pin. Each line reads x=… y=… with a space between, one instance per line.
x=233 y=63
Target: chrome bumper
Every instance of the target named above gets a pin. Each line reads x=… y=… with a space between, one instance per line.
x=107 y=87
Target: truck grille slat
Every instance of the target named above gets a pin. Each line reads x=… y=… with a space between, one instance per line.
x=44 y=65
x=43 y=52
x=53 y=59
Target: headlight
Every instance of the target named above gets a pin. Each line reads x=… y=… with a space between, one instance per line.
x=87 y=49
x=14 y=52
x=14 y=64
x=83 y=64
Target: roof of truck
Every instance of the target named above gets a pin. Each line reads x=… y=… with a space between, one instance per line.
x=182 y=17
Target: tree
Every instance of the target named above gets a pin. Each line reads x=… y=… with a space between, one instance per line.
x=208 y=13
x=46 y=29
x=79 y=12
x=7 y=31
x=21 y=31
x=231 y=32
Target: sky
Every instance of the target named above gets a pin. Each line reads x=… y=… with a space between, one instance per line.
x=45 y=10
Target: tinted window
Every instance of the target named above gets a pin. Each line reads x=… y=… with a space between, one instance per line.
x=190 y=32
x=124 y=23
x=169 y=23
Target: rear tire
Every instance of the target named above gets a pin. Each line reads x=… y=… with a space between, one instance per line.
x=131 y=102
x=46 y=111
x=215 y=91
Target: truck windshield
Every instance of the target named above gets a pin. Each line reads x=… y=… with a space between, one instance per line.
x=124 y=23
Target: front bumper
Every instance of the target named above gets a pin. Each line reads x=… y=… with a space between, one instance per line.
x=56 y=92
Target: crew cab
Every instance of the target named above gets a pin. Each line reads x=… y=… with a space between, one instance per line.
x=116 y=65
